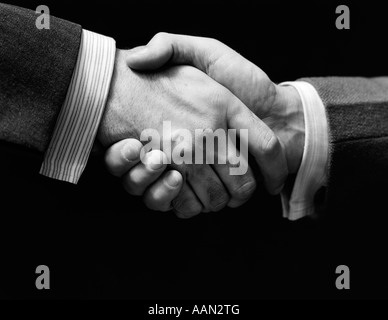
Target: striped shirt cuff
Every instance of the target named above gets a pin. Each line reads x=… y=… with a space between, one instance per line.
x=80 y=116
x=312 y=172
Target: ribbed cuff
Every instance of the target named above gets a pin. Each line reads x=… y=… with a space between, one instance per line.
x=79 y=118
x=312 y=172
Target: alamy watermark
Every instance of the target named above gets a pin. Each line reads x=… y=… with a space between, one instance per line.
x=343 y=20
x=43 y=20
x=43 y=280
x=181 y=146
x=343 y=280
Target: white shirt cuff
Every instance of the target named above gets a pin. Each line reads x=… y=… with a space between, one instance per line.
x=312 y=172
x=79 y=118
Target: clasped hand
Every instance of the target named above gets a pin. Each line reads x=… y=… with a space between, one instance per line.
x=197 y=83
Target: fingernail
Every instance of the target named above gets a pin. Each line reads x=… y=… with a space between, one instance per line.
x=156 y=165
x=130 y=154
x=154 y=160
x=173 y=179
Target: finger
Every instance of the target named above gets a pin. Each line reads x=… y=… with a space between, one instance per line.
x=232 y=170
x=208 y=187
x=263 y=144
x=240 y=186
x=122 y=156
x=186 y=204
x=141 y=176
x=150 y=57
x=160 y=195
x=203 y=180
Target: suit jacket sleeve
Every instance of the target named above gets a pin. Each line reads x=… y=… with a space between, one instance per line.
x=357 y=113
x=36 y=67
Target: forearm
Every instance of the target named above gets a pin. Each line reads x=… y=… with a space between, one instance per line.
x=357 y=115
x=80 y=116
x=54 y=90
x=357 y=108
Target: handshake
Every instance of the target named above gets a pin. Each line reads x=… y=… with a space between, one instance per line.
x=167 y=98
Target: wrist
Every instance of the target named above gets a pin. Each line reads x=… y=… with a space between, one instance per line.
x=113 y=125
x=103 y=136
x=291 y=130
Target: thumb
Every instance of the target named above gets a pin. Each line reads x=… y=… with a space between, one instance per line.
x=263 y=145
x=152 y=56
x=122 y=156
x=176 y=49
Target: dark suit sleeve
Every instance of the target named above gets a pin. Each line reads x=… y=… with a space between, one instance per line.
x=36 y=67
x=357 y=112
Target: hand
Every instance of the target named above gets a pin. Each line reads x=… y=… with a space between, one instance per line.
x=279 y=107
x=159 y=187
x=140 y=101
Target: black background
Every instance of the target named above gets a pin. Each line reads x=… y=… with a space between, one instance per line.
x=101 y=243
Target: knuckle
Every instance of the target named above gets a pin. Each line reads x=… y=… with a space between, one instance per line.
x=265 y=97
x=211 y=40
x=161 y=36
x=164 y=208
x=244 y=191
x=214 y=43
x=219 y=205
x=181 y=215
x=187 y=215
x=218 y=197
x=186 y=208
x=271 y=92
x=220 y=99
x=270 y=144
